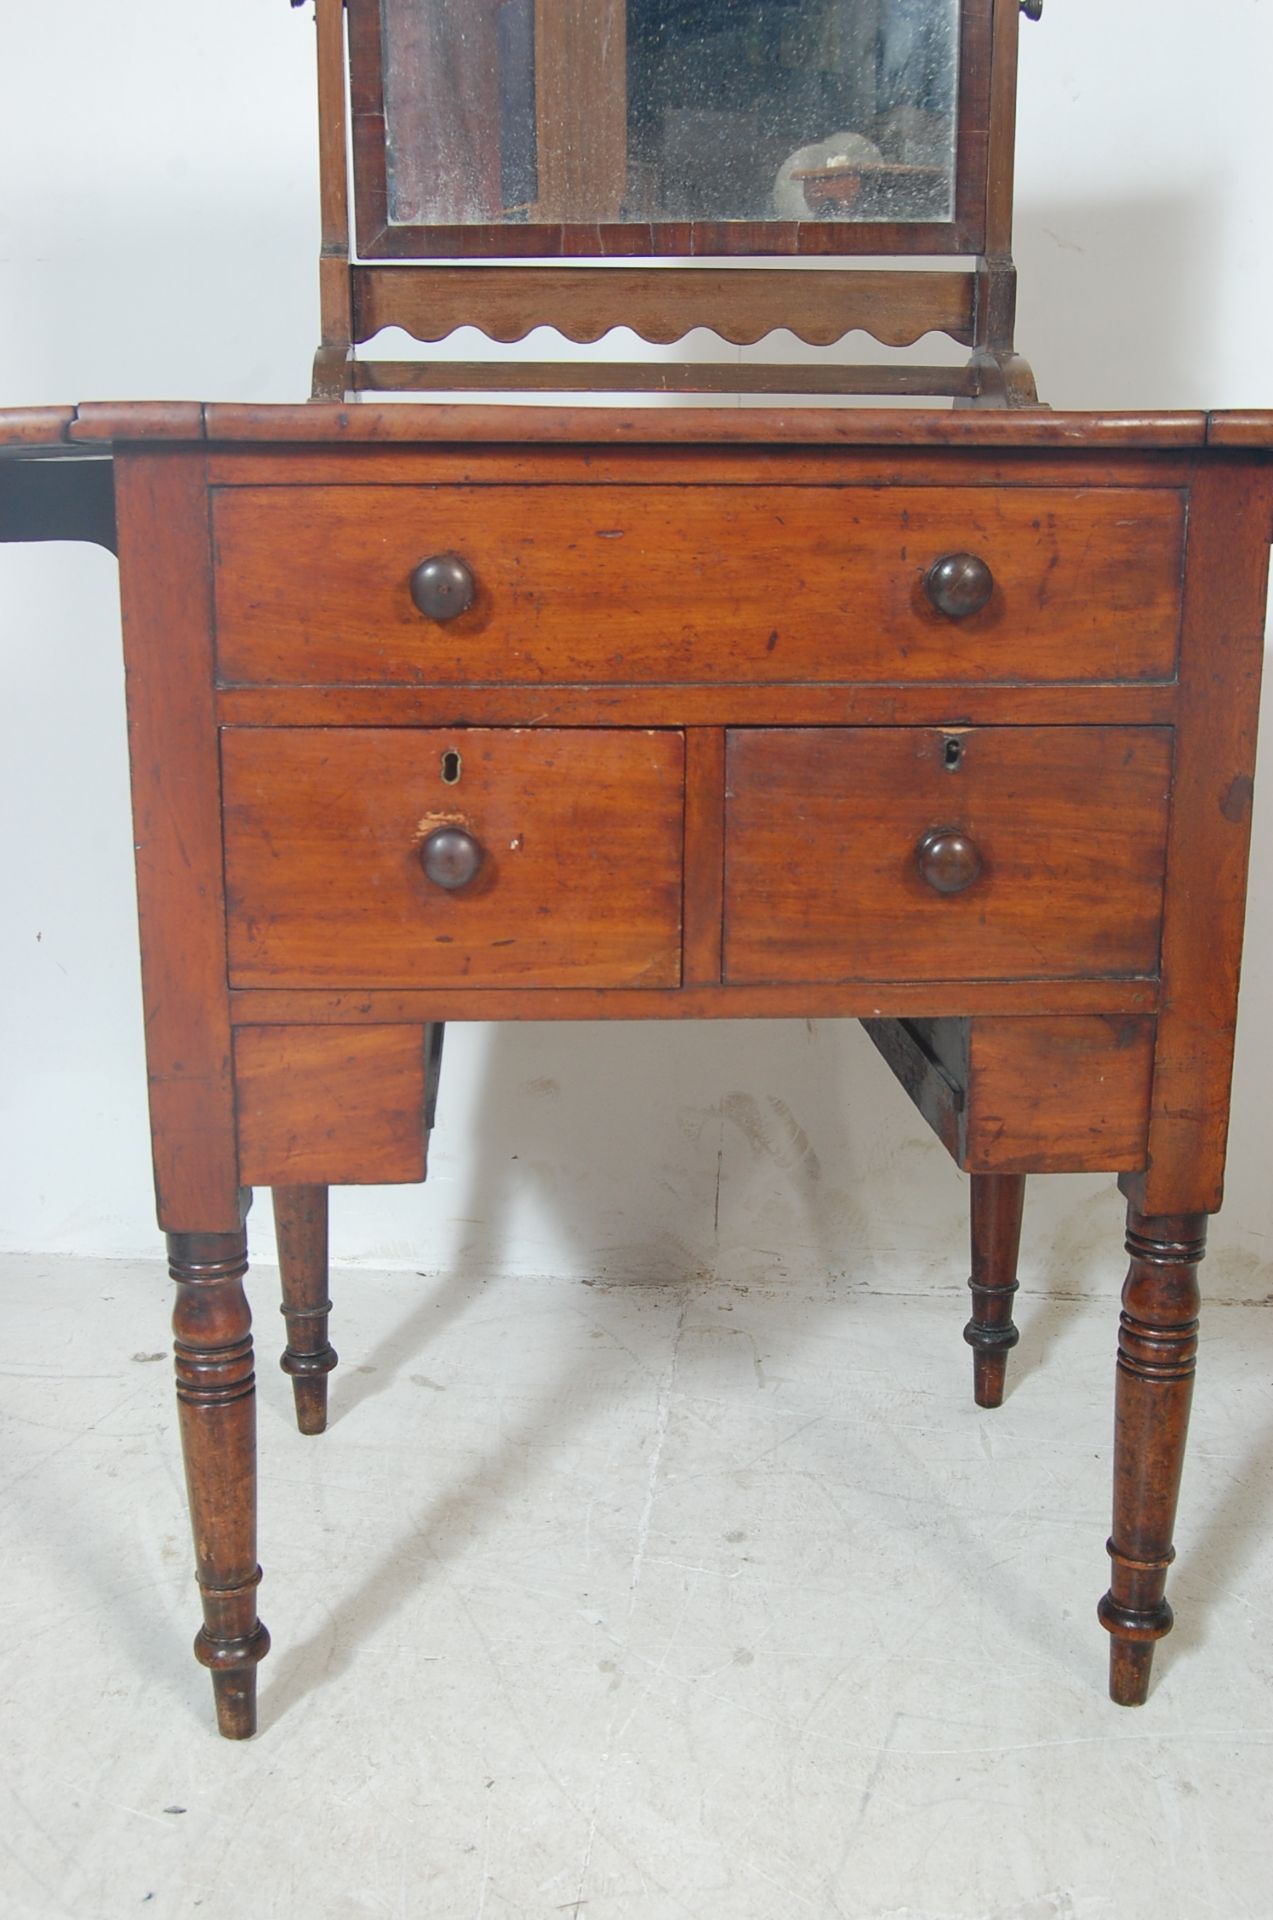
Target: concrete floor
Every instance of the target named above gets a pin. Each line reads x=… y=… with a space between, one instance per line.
x=629 y=1602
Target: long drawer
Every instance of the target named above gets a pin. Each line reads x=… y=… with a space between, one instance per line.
x=898 y=853
x=397 y=858
x=692 y=584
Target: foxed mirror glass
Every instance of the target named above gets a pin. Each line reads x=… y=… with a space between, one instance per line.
x=649 y=112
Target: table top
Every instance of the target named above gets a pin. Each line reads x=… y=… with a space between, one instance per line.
x=103 y=424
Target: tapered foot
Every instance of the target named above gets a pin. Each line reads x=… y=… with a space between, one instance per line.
x=300 y=1221
x=989 y=1377
x=1157 y=1357
x=233 y=1666
x=1130 y=1662
x=996 y=1201
x=310 y=1399
x=234 y=1695
x=216 y=1406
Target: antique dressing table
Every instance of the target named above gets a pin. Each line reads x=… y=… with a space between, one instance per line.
x=940 y=718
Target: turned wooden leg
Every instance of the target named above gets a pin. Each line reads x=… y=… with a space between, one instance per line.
x=996 y=1203
x=1157 y=1355
x=300 y=1222
x=216 y=1405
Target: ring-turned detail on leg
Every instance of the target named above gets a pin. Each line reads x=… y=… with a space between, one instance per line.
x=216 y=1405
x=300 y=1223
x=996 y=1203
x=1157 y=1356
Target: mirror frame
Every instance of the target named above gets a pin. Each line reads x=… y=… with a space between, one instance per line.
x=379 y=238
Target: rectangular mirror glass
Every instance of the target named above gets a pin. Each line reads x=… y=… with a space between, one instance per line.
x=652 y=111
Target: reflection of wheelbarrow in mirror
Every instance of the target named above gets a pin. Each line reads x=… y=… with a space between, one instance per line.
x=878 y=189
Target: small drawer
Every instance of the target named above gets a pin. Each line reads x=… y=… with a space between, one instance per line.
x=701 y=584
x=331 y=1106
x=476 y=857
x=899 y=853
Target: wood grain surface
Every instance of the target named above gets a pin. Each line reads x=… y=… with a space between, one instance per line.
x=371 y=424
x=694 y=584
x=1222 y=658
x=1035 y=1095
x=166 y=593
x=580 y=884
x=740 y=305
x=470 y=423
x=837 y=702
x=822 y=828
x=1058 y=1095
x=330 y=1106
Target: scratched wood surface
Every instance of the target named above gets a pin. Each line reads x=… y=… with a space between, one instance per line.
x=580 y=883
x=822 y=827
x=1222 y=658
x=1037 y=1095
x=330 y=1105
x=334 y=423
x=694 y=584
x=166 y=593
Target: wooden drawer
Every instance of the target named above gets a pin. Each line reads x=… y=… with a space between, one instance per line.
x=694 y=584
x=1034 y=1095
x=1060 y=873
x=580 y=876
x=331 y=1106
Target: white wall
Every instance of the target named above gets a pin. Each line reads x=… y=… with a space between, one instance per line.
x=158 y=240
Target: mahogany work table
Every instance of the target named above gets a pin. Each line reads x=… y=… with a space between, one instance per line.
x=944 y=721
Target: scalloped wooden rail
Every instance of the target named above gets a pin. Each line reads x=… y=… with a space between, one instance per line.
x=663 y=304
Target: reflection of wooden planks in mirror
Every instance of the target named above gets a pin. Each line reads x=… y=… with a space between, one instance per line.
x=506 y=108
x=581 y=104
x=441 y=107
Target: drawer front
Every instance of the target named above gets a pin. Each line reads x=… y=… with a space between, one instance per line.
x=907 y=854
x=575 y=838
x=693 y=584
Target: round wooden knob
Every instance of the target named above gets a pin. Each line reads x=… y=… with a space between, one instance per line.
x=451 y=858
x=443 y=586
x=959 y=584
x=947 y=860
